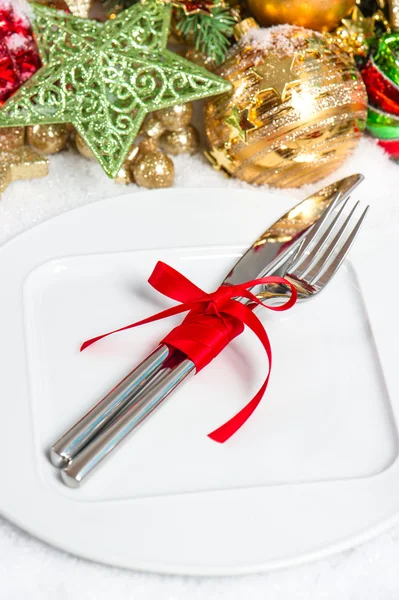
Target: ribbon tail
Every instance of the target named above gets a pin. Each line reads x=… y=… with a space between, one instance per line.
x=169 y=312
x=246 y=316
x=225 y=431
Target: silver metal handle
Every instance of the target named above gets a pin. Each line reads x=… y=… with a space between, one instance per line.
x=74 y=440
x=167 y=379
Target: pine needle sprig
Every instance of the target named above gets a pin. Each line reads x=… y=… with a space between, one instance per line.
x=211 y=33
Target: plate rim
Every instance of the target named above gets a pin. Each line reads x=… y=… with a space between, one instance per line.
x=353 y=539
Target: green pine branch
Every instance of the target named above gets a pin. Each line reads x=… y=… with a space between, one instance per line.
x=210 y=33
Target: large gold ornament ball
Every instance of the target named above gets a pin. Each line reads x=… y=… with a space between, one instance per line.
x=176 y=117
x=296 y=110
x=48 y=139
x=153 y=170
x=182 y=141
x=322 y=15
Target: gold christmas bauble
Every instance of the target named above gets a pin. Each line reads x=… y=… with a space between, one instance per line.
x=82 y=147
x=296 y=110
x=182 y=141
x=176 y=117
x=153 y=170
x=322 y=15
x=48 y=139
x=125 y=174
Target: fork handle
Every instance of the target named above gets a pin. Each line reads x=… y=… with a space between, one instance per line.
x=107 y=440
x=74 y=440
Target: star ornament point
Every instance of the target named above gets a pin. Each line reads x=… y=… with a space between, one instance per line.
x=240 y=123
x=276 y=74
x=105 y=78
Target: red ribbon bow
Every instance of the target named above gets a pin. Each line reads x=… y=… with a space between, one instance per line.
x=212 y=322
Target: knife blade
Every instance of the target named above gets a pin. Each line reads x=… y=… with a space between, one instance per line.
x=266 y=256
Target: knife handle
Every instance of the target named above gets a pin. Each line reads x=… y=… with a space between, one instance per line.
x=107 y=440
x=74 y=440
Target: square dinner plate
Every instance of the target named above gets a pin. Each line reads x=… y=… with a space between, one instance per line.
x=313 y=471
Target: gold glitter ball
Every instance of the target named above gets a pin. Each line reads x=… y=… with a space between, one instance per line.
x=182 y=141
x=152 y=127
x=49 y=139
x=176 y=116
x=148 y=145
x=82 y=147
x=125 y=173
x=295 y=113
x=153 y=170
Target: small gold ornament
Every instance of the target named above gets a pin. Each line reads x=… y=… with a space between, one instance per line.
x=322 y=15
x=125 y=173
x=176 y=117
x=200 y=59
x=393 y=6
x=49 y=139
x=148 y=145
x=181 y=141
x=152 y=126
x=153 y=170
x=82 y=147
x=296 y=111
x=17 y=161
x=357 y=32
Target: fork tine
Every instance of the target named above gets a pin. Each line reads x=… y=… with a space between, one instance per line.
x=322 y=261
x=300 y=254
x=309 y=260
x=340 y=257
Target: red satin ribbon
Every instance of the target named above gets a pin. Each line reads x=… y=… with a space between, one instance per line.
x=212 y=322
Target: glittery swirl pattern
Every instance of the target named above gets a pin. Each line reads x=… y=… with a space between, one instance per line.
x=105 y=78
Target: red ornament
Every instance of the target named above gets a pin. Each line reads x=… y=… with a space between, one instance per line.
x=382 y=92
x=193 y=7
x=19 y=58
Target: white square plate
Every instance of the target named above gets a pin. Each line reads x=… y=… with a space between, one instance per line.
x=311 y=472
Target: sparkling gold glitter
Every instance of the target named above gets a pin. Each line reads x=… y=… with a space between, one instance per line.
x=153 y=170
x=182 y=141
x=176 y=116
x=16 y=160
x=48 y=139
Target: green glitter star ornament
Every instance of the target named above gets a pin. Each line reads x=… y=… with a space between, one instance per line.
x=105 y=77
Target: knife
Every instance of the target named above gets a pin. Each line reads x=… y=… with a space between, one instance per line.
x=138 y=394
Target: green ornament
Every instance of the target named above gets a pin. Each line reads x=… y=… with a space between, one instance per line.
x=105 y=78
x=382 y=125
x=387 y=57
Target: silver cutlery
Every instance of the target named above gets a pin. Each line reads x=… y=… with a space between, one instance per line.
x=318 y=258
x=265 y=257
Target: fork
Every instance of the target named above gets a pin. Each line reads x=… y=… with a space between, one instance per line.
x=313 y=266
